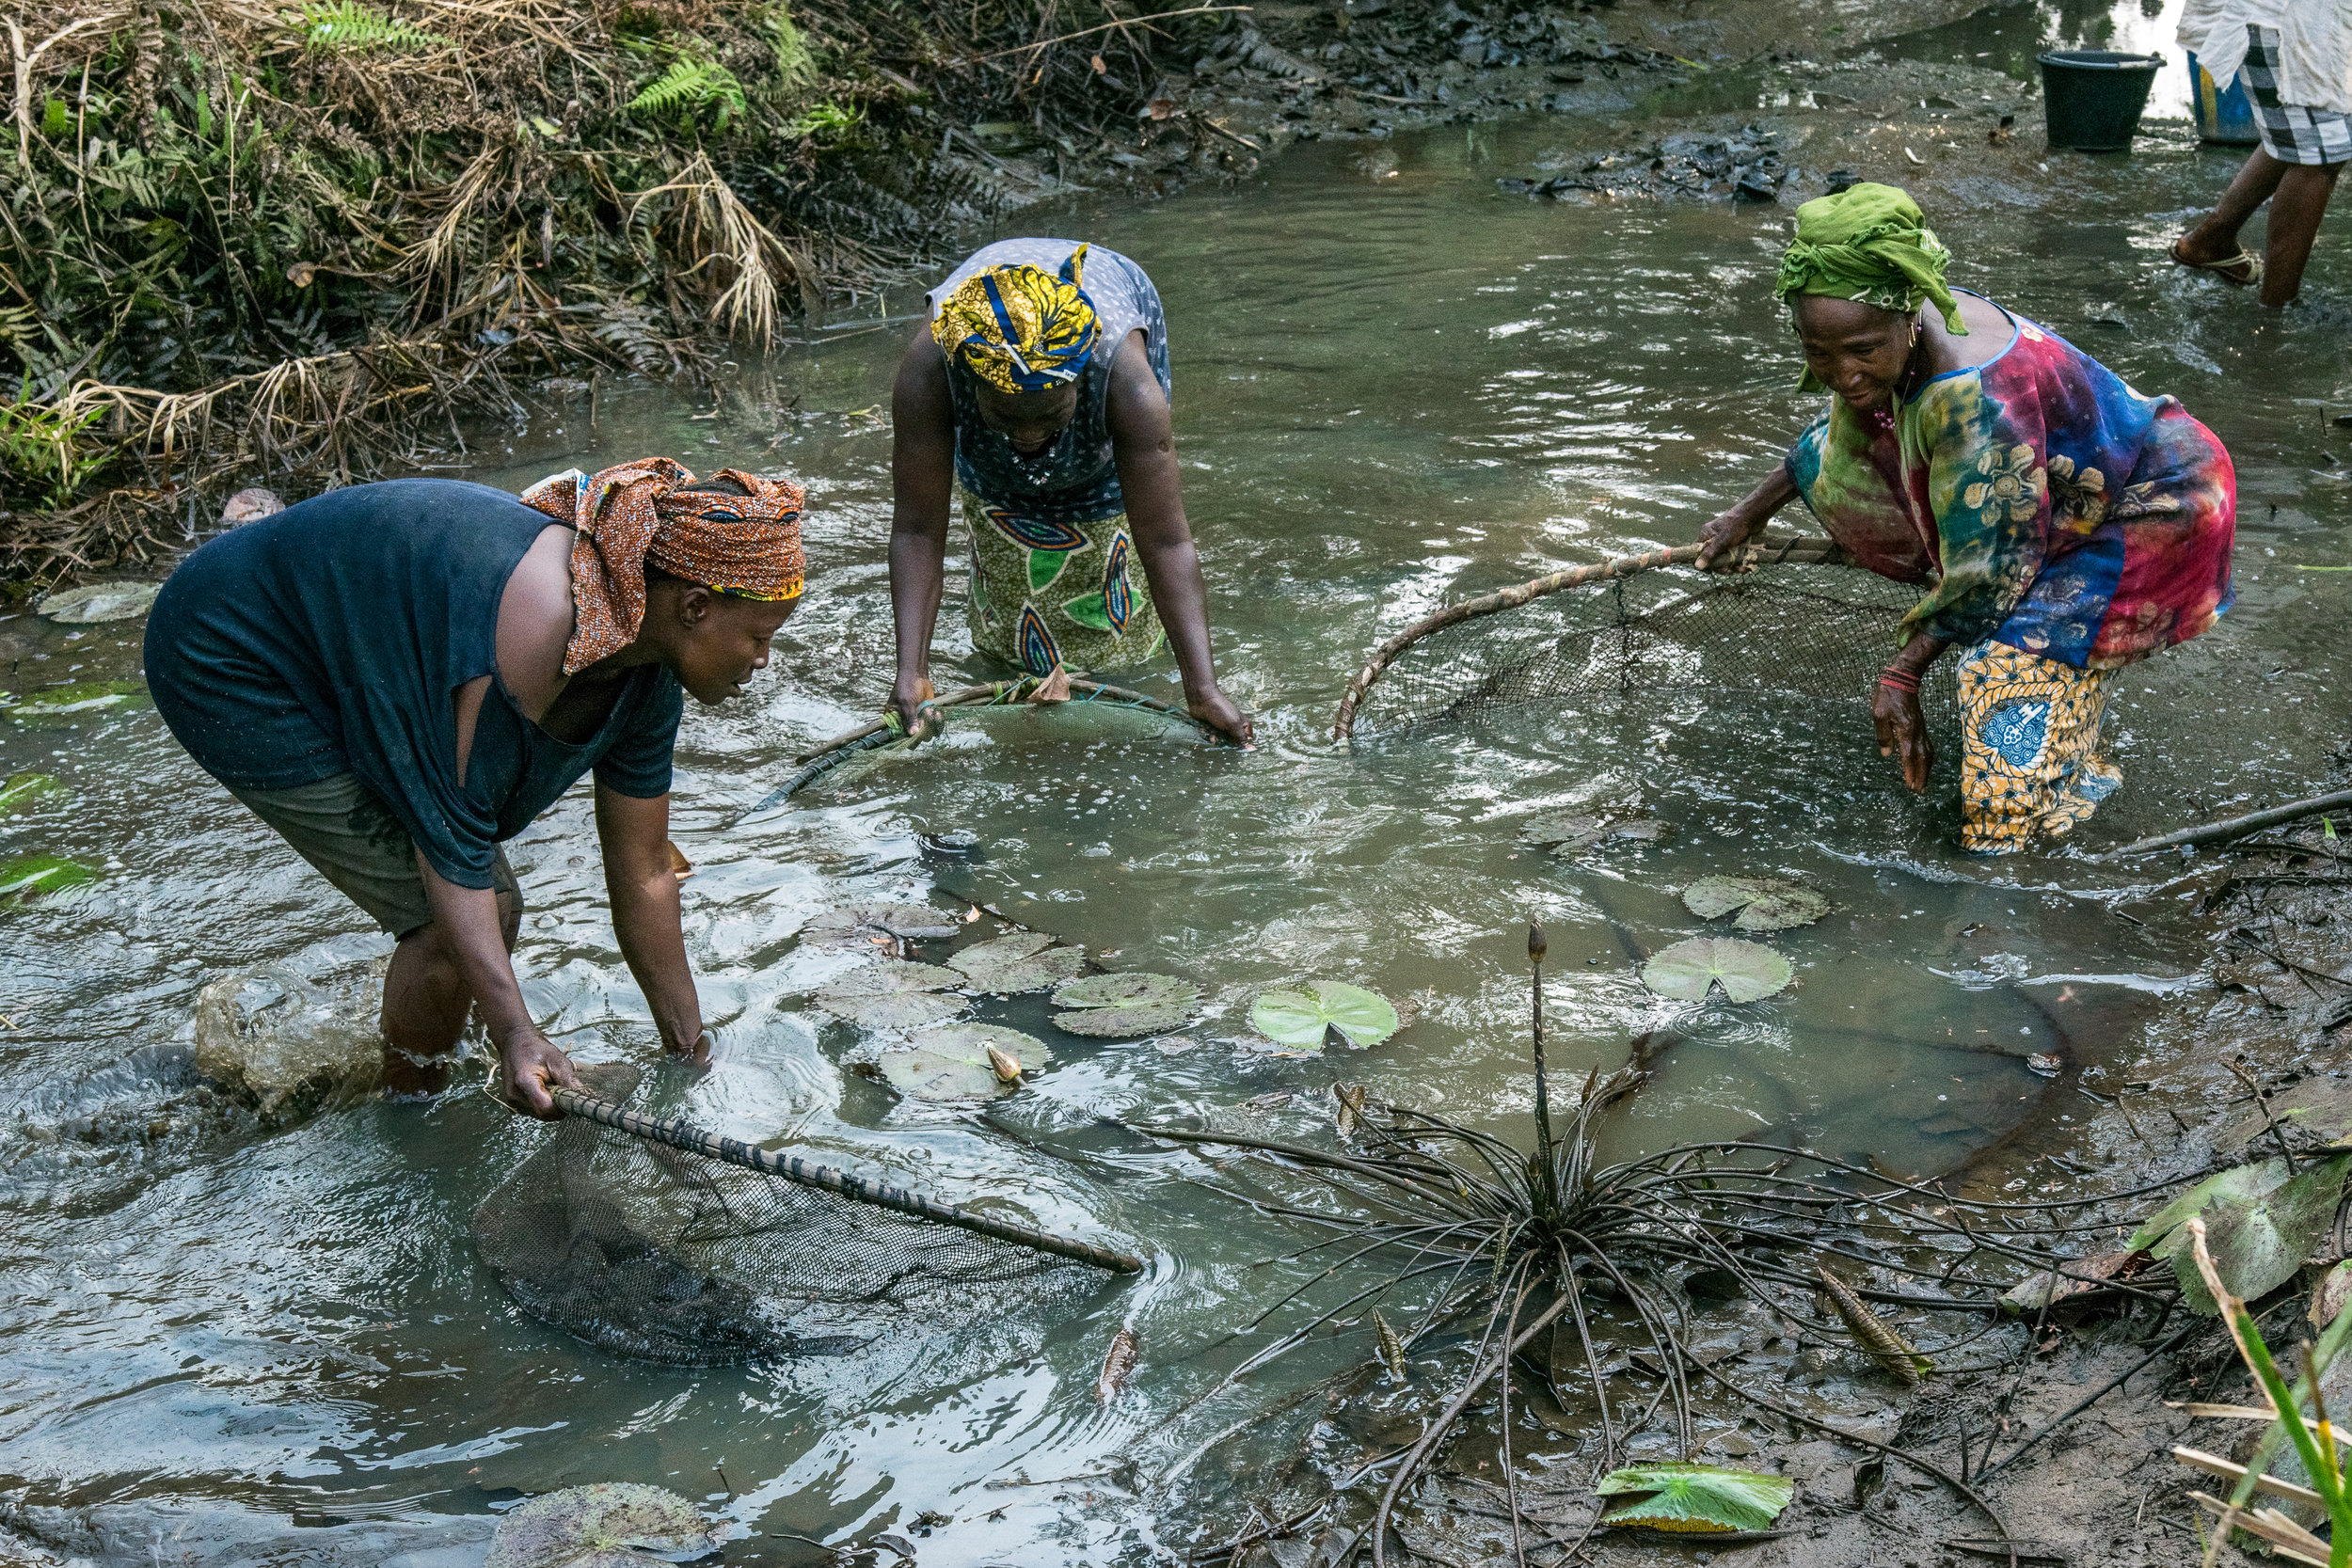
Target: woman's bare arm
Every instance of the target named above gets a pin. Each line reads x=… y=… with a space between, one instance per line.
x=922 y=480
x=637 y=877
x=1143 y=439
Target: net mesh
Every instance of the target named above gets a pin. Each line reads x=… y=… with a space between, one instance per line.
x=1799 y=631
x=663 y=1255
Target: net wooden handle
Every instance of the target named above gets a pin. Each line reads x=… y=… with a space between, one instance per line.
x=679 y=1133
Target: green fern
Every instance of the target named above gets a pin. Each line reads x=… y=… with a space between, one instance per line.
x=795 y=63
x=687 y=88
x=822 y=119
x=348 y=28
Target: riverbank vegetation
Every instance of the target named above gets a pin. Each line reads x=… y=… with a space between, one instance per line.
x=245 y=238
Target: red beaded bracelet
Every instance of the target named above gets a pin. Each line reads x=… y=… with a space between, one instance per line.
x=1900 y=678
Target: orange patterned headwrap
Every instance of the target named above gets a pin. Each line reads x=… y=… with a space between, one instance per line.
x=640 y=514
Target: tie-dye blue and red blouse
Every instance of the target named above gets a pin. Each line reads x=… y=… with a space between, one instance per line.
x=2054 y=508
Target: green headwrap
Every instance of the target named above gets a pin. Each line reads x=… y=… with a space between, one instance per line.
x=1872 y=244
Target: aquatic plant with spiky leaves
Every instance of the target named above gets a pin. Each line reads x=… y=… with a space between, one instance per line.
x=1472 y=1224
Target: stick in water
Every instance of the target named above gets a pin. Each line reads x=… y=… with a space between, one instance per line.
x=2236 y=826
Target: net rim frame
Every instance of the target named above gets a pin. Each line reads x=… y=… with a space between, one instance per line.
x=1801 y=550
x=677 y=1133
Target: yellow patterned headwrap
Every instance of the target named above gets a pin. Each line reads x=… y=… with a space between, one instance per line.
x=1020 y=329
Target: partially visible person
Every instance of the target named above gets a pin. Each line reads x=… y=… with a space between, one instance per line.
x=1039 y=389
x=2293 y=58
x=398 y=677
x=2064 y=525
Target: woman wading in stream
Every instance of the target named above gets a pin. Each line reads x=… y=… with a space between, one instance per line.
x=1039 y=389
x=399 y=676
x=2066 y=525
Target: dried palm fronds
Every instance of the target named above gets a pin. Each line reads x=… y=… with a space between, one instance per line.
x=212 y=217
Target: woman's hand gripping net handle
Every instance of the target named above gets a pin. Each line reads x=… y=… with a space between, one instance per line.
x=680 y=1133
x=1763 y=552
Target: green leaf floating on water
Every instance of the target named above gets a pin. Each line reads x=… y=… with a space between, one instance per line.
x=951 y=1062
x=1125 y=1006
x=1000 y=951
x=1765 y=903
x=893 y=995
x=1023 y=961
x=30 y=875
x=1126 y=990
x=2259 y=1224
x=875 y=925
x=1688 y=970
x=1684 y=1497
x=610 y=1525
x=24 y=789
x=58 y=706
x=1298 y=1018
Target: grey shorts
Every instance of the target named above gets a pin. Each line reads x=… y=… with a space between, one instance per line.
x=341 y=828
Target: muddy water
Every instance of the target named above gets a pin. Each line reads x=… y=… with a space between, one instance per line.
x=1394 y=386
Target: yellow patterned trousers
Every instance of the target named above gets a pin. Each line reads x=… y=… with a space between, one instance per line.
x=1048 y=592
x=2031 y=765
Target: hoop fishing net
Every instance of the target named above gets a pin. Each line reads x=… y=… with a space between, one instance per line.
x=665 y=1255
x=1820 y=633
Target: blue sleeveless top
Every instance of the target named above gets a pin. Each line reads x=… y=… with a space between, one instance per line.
x=1076 y=478
x=331 y=638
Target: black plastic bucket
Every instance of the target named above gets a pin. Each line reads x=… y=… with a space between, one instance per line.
x=2093 y=97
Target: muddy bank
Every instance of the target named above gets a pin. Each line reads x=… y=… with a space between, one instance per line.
x=303 y=249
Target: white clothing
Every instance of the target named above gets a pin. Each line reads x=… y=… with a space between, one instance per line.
x=2314 y=45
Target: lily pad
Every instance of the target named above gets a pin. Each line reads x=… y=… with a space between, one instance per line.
x=1000 y=951
x=61 y=705
x=100 y=601
x=1299 y=1018
x=893 y=995
x=1125 y=991
x=878 y=924
x=1047 y=969
x=1123 y=1024
x=1702 y=1498
x=23 y=789
x=610 y=1525
x=952 y=1062
x=1565 y=831
x=30 y=875
x=1688 y=970
x=1764 y=903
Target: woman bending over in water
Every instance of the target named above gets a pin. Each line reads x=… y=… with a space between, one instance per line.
x=397 y=677
x=1039 y=389
x=2064 y=525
